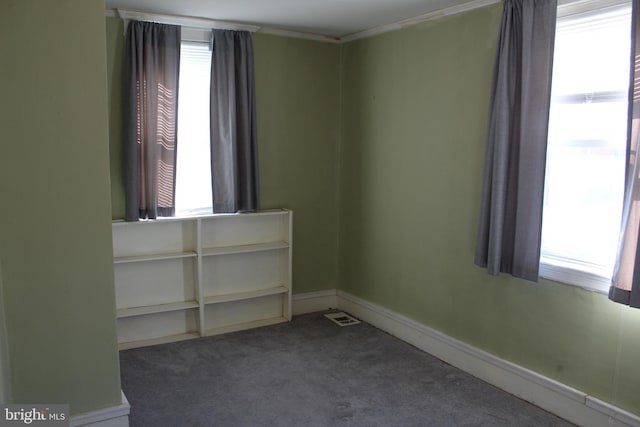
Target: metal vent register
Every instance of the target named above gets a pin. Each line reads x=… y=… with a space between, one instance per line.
x=342 y=319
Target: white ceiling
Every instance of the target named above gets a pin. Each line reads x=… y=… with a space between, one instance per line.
x=335 y=18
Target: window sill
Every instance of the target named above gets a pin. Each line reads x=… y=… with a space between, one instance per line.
x=190 y=213
x=571 y=274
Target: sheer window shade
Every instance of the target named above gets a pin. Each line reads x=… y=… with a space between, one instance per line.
x=625 y=287
x=152 y=70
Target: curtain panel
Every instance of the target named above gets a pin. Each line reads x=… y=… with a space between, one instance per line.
x=509 y=231
x=234 y=151
x=625 y=287
x=152 y=71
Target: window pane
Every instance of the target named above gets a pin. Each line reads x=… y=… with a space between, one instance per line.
x=591 y=53
x=193 y=169
x=584 y=183
x=585 y=175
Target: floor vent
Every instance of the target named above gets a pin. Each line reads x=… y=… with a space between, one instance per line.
x=342 y=319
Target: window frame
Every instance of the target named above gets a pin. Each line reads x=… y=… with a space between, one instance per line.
x=196 y=36
x=571 y=272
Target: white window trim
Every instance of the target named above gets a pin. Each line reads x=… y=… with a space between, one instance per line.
x=568 y=273
x=196 y=35
x=576 y=7
x=556 y=269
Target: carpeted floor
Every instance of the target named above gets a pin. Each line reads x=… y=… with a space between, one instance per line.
x=311 y=372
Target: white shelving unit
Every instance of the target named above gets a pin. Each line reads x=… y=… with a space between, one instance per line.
x=182 y=278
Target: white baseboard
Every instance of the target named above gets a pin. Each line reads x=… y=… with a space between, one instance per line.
x=113 y=416
x=310 y=302
x=553 y=396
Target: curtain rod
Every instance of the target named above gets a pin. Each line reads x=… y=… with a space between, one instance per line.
x=208 y=24
x=205 y=23
x=185 y=21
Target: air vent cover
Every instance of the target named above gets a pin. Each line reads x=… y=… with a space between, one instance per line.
x=342 y=319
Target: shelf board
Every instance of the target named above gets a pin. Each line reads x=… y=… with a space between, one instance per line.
x=157 y=308
x=238 y=296
x=258 y=247
x=155 y=341
x=245 y=325
x=154 y=257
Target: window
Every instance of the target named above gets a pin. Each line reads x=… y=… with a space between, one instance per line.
x=584 y=182
x=193 y=165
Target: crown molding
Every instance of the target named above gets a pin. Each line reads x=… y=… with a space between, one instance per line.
x=208 y=24
x=185 y=21
x=205 y=23
x=431 y=16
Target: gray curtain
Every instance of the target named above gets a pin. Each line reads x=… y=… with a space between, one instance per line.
x=234 y=154
x=509 y=230
x=153 y=64
x=625 y=287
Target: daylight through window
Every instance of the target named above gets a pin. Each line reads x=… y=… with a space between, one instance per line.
x=193 y=166
x=584 y=183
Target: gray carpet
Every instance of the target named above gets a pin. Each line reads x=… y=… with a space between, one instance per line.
x=311 y=372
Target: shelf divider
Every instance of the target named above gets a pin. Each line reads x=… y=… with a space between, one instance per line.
x=156 y=308
x=155 y=341
x=238 y=296
x=154 y=257
x=245 y=325
x=239 y=249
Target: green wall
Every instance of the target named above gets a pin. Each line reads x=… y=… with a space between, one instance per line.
x=297 y=91
x=115 y=74
x=55 y=227
x=5 y=384
x=378 y=147
x=415 y=105
x=298 y=105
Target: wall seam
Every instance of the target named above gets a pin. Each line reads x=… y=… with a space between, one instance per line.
x=339 y=167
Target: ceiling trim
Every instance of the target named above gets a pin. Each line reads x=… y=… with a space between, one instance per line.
x=299 y=35
x=185 y=21
x=205 y=23
x=194 y=22
x=437 y=14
